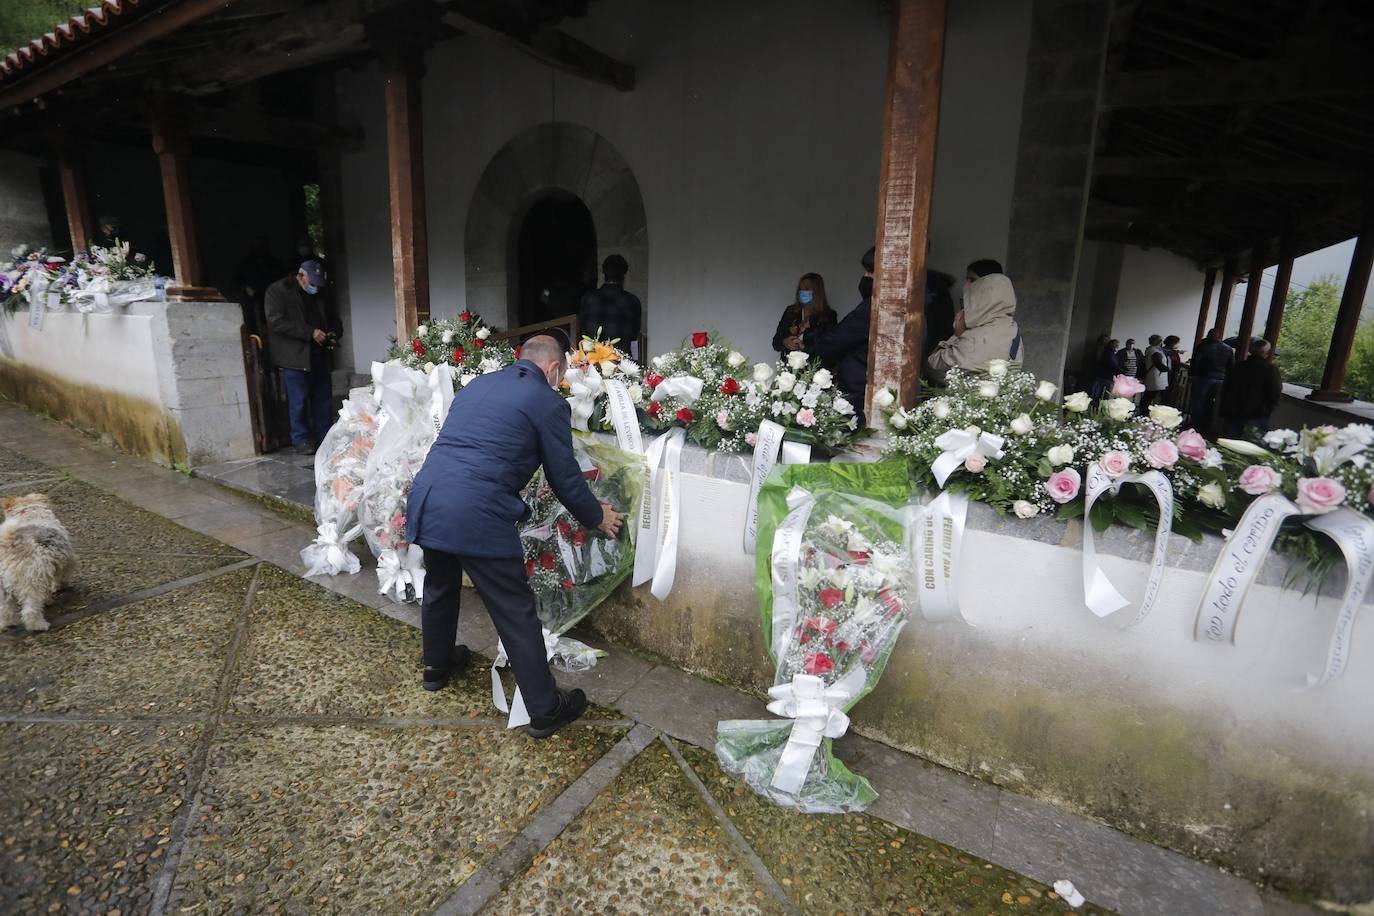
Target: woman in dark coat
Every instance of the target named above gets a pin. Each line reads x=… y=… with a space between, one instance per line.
x=809 y=310
x=1107 y=369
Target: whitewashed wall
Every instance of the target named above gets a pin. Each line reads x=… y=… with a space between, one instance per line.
x=1158 y=293
x=754 y=132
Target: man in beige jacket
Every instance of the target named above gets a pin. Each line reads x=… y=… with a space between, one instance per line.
x=985 y=330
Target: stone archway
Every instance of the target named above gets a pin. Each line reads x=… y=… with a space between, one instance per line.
x=554 y=157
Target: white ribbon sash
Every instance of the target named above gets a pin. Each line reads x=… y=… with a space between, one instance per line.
x=1354 y=535
x=623 y=417
x=1236 y=567
x=937 y=545
x=768 y=442
x=646 y=539
x=397 y=569
x=440 y=383
x=961 y=444
x=818 y=712
x=686 y=388
x=667 y=513
x=1101 y=597
x=785 y=566
x=329 y=555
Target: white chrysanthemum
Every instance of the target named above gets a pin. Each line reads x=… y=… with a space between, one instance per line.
x=842 y=406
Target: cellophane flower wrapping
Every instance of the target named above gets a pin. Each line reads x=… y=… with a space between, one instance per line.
x=572 y=569
x=836 y=622
x=340 y=469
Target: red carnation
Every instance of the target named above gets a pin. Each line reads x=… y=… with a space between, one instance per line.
x=891 y=603
x=529 y=568
x=465 y=316
x=564 y=528
x=478 y=342
x=860 y=557
x=517 y=352
x=841 y=646
x=567 y=585
x=547 y=560
x=685 y=415
x=729 y=386
x=579 y=538
x=831 y=597
x=804 y=638
x=418 y=346
x=653 y=379
x=592 y=474
x=699 y=339
x=820 y=624
x=654 y=408
x=458 y=354
x=817 y=663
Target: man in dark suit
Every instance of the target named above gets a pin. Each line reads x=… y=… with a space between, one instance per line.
x=843 y=348
x=464 y=508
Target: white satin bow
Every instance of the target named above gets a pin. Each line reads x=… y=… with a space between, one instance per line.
x=961 y=444
x=329 y=555
x=397 y=569
x=818 y=712
x=686 y=388
x=586 y=386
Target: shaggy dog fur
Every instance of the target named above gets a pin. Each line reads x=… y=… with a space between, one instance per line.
x=36 y=560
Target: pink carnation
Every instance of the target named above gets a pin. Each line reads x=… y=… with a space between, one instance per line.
x=1126 y=386
x=1115 y=463
x=751 y=439
x=1161 y=453
x=1259 y=479
x=1318 y=495
x=1063 y=485
x=806 y=417
x=975 y=463
x=723 y=419
x=1192 y=444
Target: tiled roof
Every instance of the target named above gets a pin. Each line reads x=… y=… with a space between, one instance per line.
x=79 y=29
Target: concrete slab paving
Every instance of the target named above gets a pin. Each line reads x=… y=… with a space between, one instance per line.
x=231 y=522
x=687 y=707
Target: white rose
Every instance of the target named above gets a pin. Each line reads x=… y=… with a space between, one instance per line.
x=883 y=398
x=467 y=379
x=997 y=368
x=1167 y=417
x=483 y=333
x=428 y=367
x=1025 y=509
x=1046 y=390
x=447 y=337
x=898 y=419
x=988 y=389
x=1022 y=425
x=842 y=406
x=1211 y=494
x=823 y=379
x=421 y=331
x=608 y=368
x=762 y=372
x=1060 y=455
x=1078 y=402
x=1120 y=408
x=798 y=358
x=786 y=381
x=735 y=359
x=636 y=394
x=940 y=408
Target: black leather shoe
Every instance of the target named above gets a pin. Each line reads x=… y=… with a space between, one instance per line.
x=571 y=705
x=438 y=678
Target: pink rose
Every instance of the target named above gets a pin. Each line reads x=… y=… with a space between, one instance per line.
x=1161 y=453
x=1317 y=495
x=1115 y=463
x=1259 y=479
x=1063 y=485
x=751 y=439
x=806 y=417
x=723 y=419
x=1192 y=444
x=975 y=463
x=1126 y=386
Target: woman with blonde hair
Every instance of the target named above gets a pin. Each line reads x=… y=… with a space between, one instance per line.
x=810 y=310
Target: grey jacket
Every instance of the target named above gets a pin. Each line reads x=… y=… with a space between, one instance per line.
x=292 y=317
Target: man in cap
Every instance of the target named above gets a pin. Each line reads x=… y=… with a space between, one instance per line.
x=302 y=329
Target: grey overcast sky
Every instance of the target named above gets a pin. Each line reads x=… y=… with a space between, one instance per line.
x=1309 y=267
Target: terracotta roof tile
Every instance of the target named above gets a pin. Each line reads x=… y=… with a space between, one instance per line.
x=76 y=30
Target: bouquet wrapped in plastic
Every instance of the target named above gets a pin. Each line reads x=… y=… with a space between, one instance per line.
x=572 y=569
x=834 y=578
x=340 y=468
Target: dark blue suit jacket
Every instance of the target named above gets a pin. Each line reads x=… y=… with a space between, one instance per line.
x=501 y=427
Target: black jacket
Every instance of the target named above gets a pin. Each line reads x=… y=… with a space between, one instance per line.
x=293 y=315
x=844 y=349
x=1252 y=390
x=792 y=315
x=612 y=310
x=1212 y=360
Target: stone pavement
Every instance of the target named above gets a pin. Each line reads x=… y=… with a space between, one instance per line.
x=204 y=731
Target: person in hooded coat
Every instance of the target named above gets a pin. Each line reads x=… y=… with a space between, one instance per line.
x=985 y=330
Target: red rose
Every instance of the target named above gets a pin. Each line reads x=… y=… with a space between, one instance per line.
x=685 y=415
x=804 y=638
x=564 y=528
x=517 y=352
x=465 y=316
x=729 y=386
x=418 y=347
x=567 y=585
x=891 y=603
x=547 y=560
x=593 y=474
x=529 y=568
x=654 y=408
x=820 y=624
x=860 y=557
x=841 y=646
x=458 y=354
x=579 y=538
x=817 y=663
x=699 y=339
x=478 y=342
x=652 y=380
x=831 y=597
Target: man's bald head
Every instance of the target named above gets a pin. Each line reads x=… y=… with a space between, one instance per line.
x=547 y=354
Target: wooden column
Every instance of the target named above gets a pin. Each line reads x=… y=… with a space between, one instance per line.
x=402 y=70
x=1348 y=316
x=173 y=152
x=1247 y=312
x=1205 y=308
x=911 y=117
x=74 y=197
x=1278 y=301
x=1228 y=292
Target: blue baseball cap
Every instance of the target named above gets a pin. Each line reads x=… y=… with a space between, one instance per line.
x=314 y=273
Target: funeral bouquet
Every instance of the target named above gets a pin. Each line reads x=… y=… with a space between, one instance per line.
x=29 y=274
x=834 y=578
x=801 y=397
x=590 y=366
x=462 y=343
x=340 y=470
x=103 y=278
x=700 y=387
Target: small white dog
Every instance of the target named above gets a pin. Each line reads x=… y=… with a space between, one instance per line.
x=36 y=560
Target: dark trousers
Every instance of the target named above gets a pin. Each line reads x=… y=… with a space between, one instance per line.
x=1236 y=428
x=1203 y=408
x=1150 y=397
x=506 y=592
x=310 y=399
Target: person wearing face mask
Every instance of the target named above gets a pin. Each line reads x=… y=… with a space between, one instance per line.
x=985 y=328
x=843 y=348
x=302 y=330
x=810 y=310
x=464 y=510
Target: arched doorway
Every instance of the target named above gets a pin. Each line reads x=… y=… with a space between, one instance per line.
x=567 y=165
x=555 y=258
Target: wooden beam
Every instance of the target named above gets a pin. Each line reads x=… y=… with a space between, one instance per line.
x=1301 y=171
x=1208 y=281
x=402 y=70
x=911 y=118
x=1251 y=302
x=74 y=198
x=546 y=45
x=1348 y=316
x=173 y=148
x=1343 y=73
x=1278 y=301
x=1228 y=292
x=250 y=124
x=1200 y=217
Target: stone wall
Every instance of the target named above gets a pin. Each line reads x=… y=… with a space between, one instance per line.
x=23 y=212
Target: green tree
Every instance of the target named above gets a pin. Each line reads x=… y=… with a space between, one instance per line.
x=21 y=21
x=1308 y=321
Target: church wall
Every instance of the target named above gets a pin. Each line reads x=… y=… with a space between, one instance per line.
x=755 y=136
x=1159 y=293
